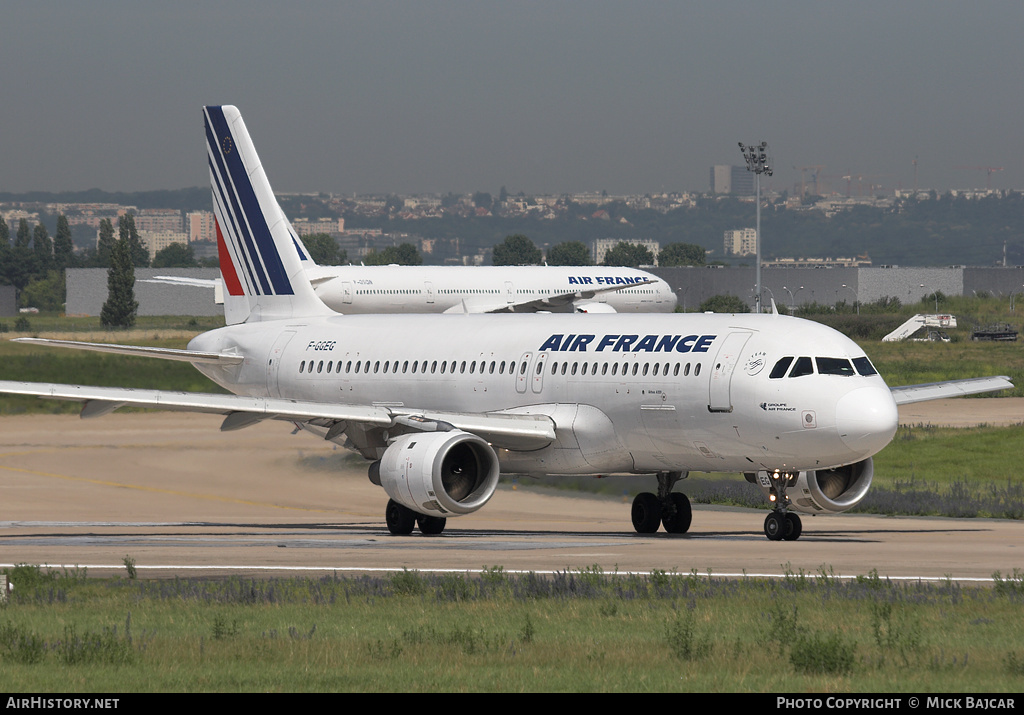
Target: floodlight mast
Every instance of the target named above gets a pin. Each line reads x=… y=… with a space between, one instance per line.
x=758 y=162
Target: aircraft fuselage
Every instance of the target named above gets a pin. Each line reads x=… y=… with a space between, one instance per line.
x=681 y=392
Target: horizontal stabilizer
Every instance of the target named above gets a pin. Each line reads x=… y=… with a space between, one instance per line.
x=192 y=356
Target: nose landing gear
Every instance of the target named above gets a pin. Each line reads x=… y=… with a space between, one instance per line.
x=781 y=524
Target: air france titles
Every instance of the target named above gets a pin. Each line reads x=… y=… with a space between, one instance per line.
x=629 y=343
x=604 y=280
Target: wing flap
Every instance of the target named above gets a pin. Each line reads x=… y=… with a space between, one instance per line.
x=504 y=430
x=953 y=388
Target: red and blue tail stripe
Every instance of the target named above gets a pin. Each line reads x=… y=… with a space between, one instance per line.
x=247 y=237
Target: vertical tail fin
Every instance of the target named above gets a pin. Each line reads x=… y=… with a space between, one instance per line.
x=257 y=246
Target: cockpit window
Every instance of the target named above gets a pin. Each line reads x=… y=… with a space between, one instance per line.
x=803 y=366
x=834 y=366
x=864 y=366
x=780 y=368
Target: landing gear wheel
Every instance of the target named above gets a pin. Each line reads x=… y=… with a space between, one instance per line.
x=431 y=524
x=794 y=527
x=400 y=519
x=775 y=526
x=678 y=522
x=646 y=513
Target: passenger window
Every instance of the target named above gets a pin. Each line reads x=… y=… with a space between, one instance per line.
x=574 y=366
x=554 y=367
x=320 y=366
x=802 y=367
x=780 y=368
x=686 y=370
x=636 y=366
x=864 y=366
x=675 y=371
x=696 y=369
x=405 y=367
x=302 y=366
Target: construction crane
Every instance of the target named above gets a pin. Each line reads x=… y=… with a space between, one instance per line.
x=816 y=169
x=987 y=169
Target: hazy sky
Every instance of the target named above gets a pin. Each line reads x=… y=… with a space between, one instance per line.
x=411 y=96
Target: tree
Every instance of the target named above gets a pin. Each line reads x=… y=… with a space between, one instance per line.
x=724 y=304
x=63 y=246
x=629 y=254
x=402 y=255
x=42 y=248
x=569 y=253
x=5 y=233
x=176 y=255
x=681 y=254
x=138 y=253
x=121 y=307
x=24 y=237
x=516 y=250
x=45 y=293
x=483 y=200
x=323 y=249
x=105 y=244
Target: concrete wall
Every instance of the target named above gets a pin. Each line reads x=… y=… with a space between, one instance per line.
x=87 y=292
x=797 y=286
x=8 y=301
x=87 y=287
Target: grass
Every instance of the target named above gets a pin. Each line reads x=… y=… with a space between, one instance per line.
x=577 y=631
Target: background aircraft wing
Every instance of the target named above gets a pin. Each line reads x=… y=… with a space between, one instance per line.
x=952 y=388
x=503 y=430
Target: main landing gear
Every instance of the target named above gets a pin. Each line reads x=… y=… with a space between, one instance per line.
x=666 y=508
x=402 y=519
x=781 y=524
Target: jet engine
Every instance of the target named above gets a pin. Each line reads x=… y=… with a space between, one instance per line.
x=438 y=473
x=590 y=307
x=824 y=491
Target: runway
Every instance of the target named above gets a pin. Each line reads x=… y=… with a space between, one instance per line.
x=172 y=495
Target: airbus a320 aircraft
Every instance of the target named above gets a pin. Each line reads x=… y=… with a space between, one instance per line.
x=479 y=289
x=442 y=404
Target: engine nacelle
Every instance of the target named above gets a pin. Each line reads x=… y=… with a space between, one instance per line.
x=592 y=307
x=825 y=491
x=438 y=473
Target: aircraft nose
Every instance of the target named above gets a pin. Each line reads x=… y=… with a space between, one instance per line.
x=866 y=419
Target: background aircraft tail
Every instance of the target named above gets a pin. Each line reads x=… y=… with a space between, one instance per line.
x=258 y=249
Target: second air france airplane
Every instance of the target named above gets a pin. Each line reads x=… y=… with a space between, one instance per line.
x=441 y=405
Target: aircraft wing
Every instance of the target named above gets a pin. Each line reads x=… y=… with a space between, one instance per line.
x=559 y=302
x=192 y=356
x=504 y=430
x=952 y=388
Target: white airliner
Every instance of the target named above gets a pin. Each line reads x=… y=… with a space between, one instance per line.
x=443 y=404
x=355 y=289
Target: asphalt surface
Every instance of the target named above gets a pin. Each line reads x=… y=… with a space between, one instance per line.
x=174 y=496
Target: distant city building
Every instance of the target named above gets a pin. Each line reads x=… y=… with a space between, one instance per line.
x=741 y=242
x=727 y=179
x=603 y=245
x=159 y=220
x=156 y=241
x=200 y=226
x=307 y=227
